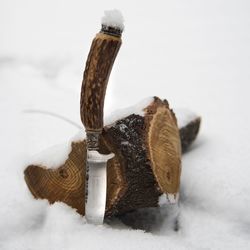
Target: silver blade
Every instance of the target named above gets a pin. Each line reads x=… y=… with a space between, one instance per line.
x=96 y=187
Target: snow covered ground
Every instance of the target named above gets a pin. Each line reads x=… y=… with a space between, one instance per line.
x=194 y=53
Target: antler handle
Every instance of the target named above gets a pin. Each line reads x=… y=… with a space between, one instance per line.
x=103 y=51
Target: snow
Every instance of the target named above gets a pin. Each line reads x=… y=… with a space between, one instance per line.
x=184 y=116
x=113 y=18
x=199 y=60
x=55 y=156
x=169 y=199
x=137 y=109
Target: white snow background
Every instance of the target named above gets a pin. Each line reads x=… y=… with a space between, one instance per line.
x=194 y=53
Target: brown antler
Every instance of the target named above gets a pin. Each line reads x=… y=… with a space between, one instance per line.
x=103 y=51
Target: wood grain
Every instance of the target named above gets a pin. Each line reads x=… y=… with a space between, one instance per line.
x=164 y=146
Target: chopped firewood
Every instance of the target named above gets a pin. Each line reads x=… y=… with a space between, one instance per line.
x=147 y=162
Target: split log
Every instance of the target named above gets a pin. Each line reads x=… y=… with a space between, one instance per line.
x=147 y=163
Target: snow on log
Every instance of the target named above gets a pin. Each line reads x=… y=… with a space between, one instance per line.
x=189 y=125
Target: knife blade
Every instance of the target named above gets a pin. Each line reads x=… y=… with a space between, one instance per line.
x=96 y=187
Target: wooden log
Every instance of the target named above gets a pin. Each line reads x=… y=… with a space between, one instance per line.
x=147 y=163
x=189 y=132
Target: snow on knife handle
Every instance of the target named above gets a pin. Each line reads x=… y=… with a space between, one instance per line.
x=103 y=51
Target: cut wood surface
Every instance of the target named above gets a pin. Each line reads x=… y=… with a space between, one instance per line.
x=147 y=163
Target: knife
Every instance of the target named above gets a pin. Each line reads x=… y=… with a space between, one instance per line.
x=102 y=54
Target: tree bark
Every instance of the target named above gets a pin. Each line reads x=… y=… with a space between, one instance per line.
x=147 y=163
